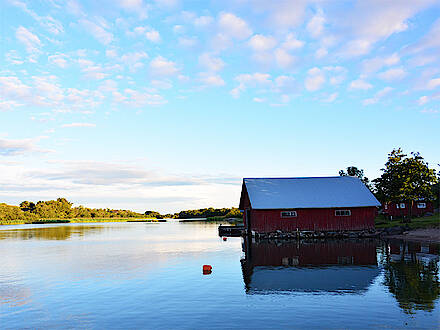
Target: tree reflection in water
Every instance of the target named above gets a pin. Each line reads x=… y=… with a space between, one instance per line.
x=412 y=275
x=52 y=232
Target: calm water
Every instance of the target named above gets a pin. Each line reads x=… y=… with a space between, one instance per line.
x=149 y=275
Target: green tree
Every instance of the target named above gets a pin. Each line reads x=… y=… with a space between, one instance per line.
x=27 y=206
x=153 y=215
x=405 y=178
x=354 y=171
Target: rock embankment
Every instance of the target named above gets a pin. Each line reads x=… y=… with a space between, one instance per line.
x=402 y=232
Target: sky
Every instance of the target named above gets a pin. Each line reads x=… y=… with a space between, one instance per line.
x=166 y=105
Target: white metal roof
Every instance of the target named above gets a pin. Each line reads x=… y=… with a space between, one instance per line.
x=315 y=192
x=348 y=279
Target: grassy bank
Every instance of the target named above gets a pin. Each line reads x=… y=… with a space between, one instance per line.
x=416 y=223
x=76 y=220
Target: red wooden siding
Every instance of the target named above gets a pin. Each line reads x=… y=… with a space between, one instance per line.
x=313 y=219
x=391 y=209
x=327 y=253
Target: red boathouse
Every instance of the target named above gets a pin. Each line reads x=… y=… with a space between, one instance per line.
x=419 y=208
x=309 y=204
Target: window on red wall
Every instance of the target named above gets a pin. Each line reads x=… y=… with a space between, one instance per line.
x=342 y=213
x=421 y=205
x=288 y=214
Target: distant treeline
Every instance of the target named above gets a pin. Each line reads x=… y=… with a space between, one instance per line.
x=209 y=212
x=61 y=208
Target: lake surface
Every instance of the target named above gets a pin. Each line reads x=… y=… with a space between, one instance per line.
x=149 y=275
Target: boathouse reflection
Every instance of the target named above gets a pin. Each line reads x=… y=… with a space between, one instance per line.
x=341 y=266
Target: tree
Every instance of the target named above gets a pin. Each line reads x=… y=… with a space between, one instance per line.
x=354 y=171
x=405 y=179
x=27 y=206
x=153 y=215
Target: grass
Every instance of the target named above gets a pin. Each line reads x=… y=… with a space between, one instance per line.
x=416 y=223
x=75 y=220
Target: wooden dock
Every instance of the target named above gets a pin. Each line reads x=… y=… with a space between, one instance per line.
x=231 y=231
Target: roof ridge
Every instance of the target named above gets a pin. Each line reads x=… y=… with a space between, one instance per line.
x=301 y=177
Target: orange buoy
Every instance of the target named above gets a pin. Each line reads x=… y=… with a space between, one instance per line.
x=207 y=269
x=225 y=238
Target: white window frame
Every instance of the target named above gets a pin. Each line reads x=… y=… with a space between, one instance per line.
x=342 y=213
x=288 y=214
x=386 y=207
x=421 y=205
x=402 y=205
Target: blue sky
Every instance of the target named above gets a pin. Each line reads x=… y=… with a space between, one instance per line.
x=168 y=104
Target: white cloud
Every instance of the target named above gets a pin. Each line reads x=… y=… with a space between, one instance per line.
x=178 y=29
x=97 y=30
x=360 y=84
x=331 y=98
x=292 y=43
x=315 y=79
x=153 y=36
x=393 y=74
x=430 y=111
x=135 y=6
x=285 y=85
x=203 y=21
x=162 y=84
x=422 y=60
x=321 y=52
x=136 y=98
x=162 y=67
x=388 y=17
x=188 y=42
x=112 y=53
x=259 y=99
x=28 y=39
x=95 y=72
x=13 y=57
x=316 y=24
x=11 y=147
x=378 y=96
x=9 y=105
x=338 y=74
x=430 y=41
x=210 y=62
x=78 y=125
x=423 y=100
x=283 y=14
x=167 y=3
x=249 y=80
x=283 y=58
x=261 y=43
x=433 y=83
x=211 y=79
x=375 y=64
x=134 y=60
x=233 y=26
x=48 y=22
x=220 y=42
x=58 y=59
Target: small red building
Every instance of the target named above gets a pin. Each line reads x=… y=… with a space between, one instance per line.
x=419 y=208
x=310 y=204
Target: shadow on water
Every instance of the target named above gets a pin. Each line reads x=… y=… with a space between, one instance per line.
x=411 y=274
x=51 y=232
x=339 y=266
